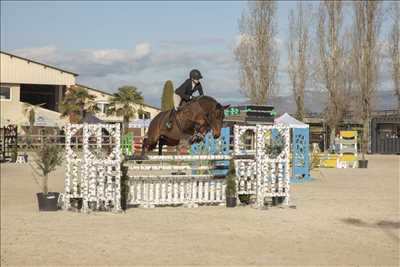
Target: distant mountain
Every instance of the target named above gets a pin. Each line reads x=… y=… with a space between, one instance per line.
x=316 y=101
x=385 y=100
x=313 y=102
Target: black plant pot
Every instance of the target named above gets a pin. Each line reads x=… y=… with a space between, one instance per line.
x=76 y=203
x=230 y=202
x=277 y=200
x=48 y=202
x=363 y=163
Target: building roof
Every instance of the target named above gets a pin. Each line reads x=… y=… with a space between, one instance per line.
x=33 y=61
x=110 y=94
x=94 y=89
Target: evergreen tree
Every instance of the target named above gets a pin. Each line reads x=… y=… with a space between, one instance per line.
x=127 y=102
x=167 y=101
x=77 y=103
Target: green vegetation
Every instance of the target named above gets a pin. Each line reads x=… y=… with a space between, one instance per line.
x=167 y=101
x=230 y=190
x=127 y=102
x=77 y=103
x=48 y=157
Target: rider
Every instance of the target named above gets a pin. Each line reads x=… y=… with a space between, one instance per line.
x=185 y=92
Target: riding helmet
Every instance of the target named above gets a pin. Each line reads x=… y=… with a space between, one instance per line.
x=195 y=75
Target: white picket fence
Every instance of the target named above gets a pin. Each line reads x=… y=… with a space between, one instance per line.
x=188 y=190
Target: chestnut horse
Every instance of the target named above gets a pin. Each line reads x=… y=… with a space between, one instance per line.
x=193 y=120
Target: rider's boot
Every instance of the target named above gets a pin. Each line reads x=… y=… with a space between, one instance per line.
x=168 y=124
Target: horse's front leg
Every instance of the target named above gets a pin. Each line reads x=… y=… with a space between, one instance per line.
x=200 y=133
x=160 y=146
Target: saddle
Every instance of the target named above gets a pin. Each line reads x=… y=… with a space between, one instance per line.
x=197 y=136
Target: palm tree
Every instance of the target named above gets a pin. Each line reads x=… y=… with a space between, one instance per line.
x=77 y=103
x=30 y=113
x=126 y=103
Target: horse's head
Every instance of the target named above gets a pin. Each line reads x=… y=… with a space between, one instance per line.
x=215 y=119
x=211 y=114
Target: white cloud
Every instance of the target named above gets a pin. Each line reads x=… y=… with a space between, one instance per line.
x=107 y=69
x=110 y=55
x=198 y=42
x=142 y=50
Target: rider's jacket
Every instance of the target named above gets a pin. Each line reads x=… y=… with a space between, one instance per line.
x=185 y=91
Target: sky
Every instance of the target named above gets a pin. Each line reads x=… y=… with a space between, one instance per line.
x=111 y=44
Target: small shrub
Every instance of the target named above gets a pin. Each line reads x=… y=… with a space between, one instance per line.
x=275 y=146
x=48 y=157
x=230 y=190
x=124 y=185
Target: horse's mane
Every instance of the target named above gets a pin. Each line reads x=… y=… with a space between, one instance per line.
x=205 y=98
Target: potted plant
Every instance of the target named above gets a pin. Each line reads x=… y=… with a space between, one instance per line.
x=230 y=190
x=124 y=186
x=48 y=157
x=363 y=163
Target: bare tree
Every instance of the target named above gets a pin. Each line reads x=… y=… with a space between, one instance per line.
x=257 y=53
x=349 y=86
x=394 y=40
x=366 y=55
x=299 y=56
x=330 y=44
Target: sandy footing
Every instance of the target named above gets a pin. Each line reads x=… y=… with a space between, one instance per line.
x=342 y=217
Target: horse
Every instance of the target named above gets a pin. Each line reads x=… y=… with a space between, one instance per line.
x=192 y=120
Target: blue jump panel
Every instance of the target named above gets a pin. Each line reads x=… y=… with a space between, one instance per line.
x=213 y=146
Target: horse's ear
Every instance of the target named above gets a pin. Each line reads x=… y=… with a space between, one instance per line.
x=226 y=106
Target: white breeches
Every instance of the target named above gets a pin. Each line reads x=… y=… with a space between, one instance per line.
x=177 y=101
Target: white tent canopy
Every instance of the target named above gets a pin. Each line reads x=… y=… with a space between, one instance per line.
x=290 y=121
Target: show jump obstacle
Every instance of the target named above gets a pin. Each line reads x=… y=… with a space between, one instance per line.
x=191 y=190
x=262 y=169
x=93 y=174
x=268 y=174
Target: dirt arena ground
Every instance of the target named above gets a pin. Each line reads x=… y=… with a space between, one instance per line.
x=342 y=217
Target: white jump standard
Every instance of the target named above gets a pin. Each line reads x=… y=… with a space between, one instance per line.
x=92 y=175
x=267 y=175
